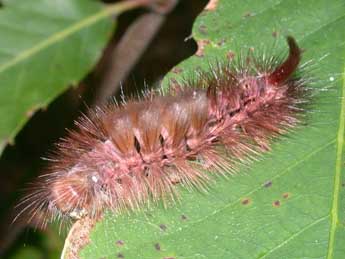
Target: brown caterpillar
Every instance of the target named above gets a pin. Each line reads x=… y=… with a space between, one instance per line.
x=124 y=154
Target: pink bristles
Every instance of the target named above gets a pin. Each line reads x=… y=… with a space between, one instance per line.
x=122 y=155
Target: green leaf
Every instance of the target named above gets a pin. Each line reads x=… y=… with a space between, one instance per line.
x=28 y=252
x=291 y=203
x=45 y=47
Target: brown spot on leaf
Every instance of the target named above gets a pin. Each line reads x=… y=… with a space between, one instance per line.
x=212 y=5
x=183 y=217
x=163 y=227
x=201 y=47
x=203 y=29
x=175 y=86
x=275 y=34
x=248 y=15
x=176 y=70
x=221 y=42
x=157 y=246
x=120 y=243
x=268 y=184
x=120 y=255
x=276 y=203
x=286 y=195
x=246 y=201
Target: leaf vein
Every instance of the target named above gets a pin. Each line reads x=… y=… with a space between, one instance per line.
x=293 y=236
x=338 y=166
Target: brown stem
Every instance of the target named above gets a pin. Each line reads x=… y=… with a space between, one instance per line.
x=131 y=47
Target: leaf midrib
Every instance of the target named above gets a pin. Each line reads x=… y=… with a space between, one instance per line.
x=113 y=9
x=338 y=166
x=294 y=235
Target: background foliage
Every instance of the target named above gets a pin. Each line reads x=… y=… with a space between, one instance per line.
x=46 y=46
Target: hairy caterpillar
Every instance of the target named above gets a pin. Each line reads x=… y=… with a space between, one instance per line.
x=121 y=155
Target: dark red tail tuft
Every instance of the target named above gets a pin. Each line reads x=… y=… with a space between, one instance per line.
x=285 y=70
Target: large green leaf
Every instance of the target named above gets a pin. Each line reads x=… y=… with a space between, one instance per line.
x=288 y=205
x=46 y=46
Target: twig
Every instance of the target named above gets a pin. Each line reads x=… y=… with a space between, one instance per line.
x=131 y=47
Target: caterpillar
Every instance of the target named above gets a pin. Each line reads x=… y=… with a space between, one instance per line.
x=122 y=155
